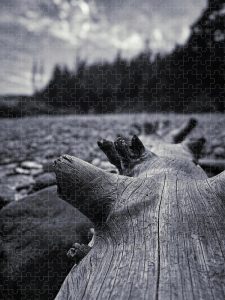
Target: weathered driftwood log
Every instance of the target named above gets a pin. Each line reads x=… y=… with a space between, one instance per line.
x=160 y=223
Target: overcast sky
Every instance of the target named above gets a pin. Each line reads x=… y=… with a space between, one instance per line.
x=55 y=31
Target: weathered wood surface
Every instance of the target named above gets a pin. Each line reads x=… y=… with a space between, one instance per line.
x=160 y=223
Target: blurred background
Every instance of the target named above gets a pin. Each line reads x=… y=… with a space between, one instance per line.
x=97 y=56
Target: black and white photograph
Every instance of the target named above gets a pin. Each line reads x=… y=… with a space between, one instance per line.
x=112 y=150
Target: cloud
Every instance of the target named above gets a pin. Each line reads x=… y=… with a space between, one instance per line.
x=77 y=21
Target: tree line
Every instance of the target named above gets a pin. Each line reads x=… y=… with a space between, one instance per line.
x=191 y=78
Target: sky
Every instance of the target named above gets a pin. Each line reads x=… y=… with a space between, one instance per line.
x=46 y=32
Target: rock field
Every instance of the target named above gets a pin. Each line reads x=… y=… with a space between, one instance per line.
x=30 y=145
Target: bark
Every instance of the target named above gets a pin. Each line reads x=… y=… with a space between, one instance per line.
x=162 y=228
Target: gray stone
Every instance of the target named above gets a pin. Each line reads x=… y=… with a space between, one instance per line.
x=36 y=172
x=19 y=182
x=105 y=165
x=219 y=152
x=7 y=170
x=31 y=165
x=215 y=143
x=7 y=194
x=23 y=171
x=6 y=160
x=50 y=154
x=96 y=162
x=21 y=194
x=48 y=166
x=44 y=180
x=35 y=235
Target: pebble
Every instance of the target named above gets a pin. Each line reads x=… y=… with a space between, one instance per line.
x=96 y=162
x=31 y=165
x=36 y=172
x=21 y=194
x=7 y=194
x=6 y=161
x=42 y=181
x=6 y=170
x=48 y=166
x=50 y=154
x=215 y=143
x=105 y=165
x=219 y=152
x=22 y=171
x=19 y=182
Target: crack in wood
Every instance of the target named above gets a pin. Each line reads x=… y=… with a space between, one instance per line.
x=158 y=244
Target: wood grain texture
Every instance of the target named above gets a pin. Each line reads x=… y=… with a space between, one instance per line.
x=164 y=236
